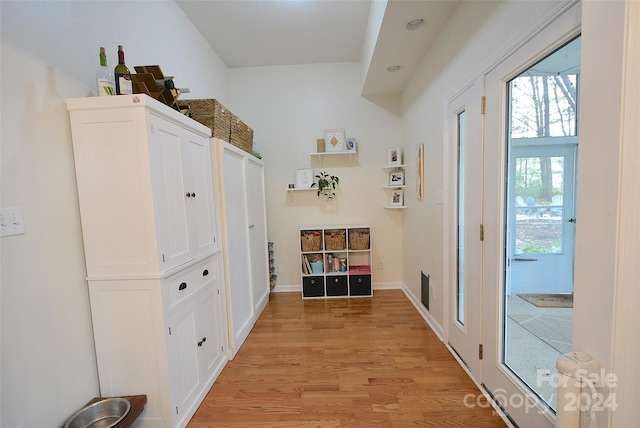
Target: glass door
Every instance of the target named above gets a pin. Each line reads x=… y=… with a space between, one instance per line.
x=529 y=213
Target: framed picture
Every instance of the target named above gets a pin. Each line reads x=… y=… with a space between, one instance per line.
x=397 y=198
x=350 y=145
x=304 y=178
x=334 y=140
x=395 y=157
x=396 y=178
x=420 y=172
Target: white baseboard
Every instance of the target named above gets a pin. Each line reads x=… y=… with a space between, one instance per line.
x=437 y=328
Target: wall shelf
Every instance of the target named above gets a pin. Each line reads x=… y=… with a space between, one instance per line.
x=323 y=154
x=393 y=167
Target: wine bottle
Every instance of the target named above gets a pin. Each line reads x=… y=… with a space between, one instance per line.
x=104 y=78
x=124 y=85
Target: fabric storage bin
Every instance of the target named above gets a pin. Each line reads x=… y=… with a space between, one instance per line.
x=313 y=286
x=360 y=285
x=337 y=285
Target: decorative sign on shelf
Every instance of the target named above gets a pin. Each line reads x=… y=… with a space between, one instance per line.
x=334 y=140
x=304 y=178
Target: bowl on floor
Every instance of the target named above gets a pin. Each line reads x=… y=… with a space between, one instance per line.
x=102 y=414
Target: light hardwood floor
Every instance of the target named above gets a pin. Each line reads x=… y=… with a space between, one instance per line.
x=366 y=362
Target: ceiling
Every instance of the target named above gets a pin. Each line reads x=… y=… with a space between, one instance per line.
x=253 y=33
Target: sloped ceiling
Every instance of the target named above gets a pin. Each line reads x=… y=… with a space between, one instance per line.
x=253 y=33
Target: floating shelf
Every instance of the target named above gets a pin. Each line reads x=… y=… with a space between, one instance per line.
x=394 y=167
x=322 y=154
x=395 y=187
x=388 y=207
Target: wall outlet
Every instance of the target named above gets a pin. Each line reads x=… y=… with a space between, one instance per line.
x=380 y=265
x=280 y=269
x=432 y=291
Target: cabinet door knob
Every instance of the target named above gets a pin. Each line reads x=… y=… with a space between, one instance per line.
x=189 y=195
x=204 y=339
x=335 y=280
x=359 y=279
x=182 y=286
x=193 y=194
x=205 y=272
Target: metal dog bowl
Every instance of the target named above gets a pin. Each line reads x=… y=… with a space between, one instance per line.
x=102 y=414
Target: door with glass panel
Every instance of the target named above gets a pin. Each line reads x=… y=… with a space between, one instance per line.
x=529 y=213
x=463 y=254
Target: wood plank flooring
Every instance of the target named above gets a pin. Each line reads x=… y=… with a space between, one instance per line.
x=343 y=363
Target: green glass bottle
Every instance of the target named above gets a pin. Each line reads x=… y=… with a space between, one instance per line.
x=122 y=75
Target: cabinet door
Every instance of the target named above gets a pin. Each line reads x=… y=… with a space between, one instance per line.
x=256 y=206
x=169 y=191
x=185 y=374
x=200 y=204
x=237 y=257
x=212 y=353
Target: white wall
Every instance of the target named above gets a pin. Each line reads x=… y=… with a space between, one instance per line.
x=50 y=53
x=289 y=107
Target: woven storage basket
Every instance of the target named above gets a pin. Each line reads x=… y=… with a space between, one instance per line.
x=213 y=114
x=311 y=241
x=358 y=240
x=241 y=134
x=334 y=241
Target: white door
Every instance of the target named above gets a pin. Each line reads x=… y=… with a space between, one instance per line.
x=257 y=232
x=463 y=255
x=516 y=367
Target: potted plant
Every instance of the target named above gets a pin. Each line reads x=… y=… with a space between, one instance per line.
x=326 y=184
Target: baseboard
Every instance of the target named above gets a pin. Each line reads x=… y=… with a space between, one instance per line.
x=433 y=324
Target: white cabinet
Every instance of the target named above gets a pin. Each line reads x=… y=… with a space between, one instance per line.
x=241 y=194
x=158 y=307
x=138 y=166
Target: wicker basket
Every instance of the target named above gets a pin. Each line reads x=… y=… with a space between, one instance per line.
x=213 y=114
x=358 y=240
x=241 y=134
x=311 y=241
x=334 y=240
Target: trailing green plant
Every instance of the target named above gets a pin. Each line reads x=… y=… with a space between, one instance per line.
x=326 y=184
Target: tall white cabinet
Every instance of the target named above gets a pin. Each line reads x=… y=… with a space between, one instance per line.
x=241 y=194
x=149 y=227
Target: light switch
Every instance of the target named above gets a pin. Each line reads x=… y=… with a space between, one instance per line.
x=11 y=222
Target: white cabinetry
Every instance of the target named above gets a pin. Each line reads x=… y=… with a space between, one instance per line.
x=144 y=182
x=240 y=187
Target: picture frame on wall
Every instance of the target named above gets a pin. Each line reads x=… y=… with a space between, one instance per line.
x=350 y=145
x=420 y=172
x=394 y=157
x=304 y=178
x=397 y=198
x=334 y=140
x=396 y=178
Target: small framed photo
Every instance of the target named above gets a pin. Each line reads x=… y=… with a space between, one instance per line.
x=334 y=140
x=397 y=198
x=350 y=145
x=395 y=157
x=304 y=178
x=396 y=178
